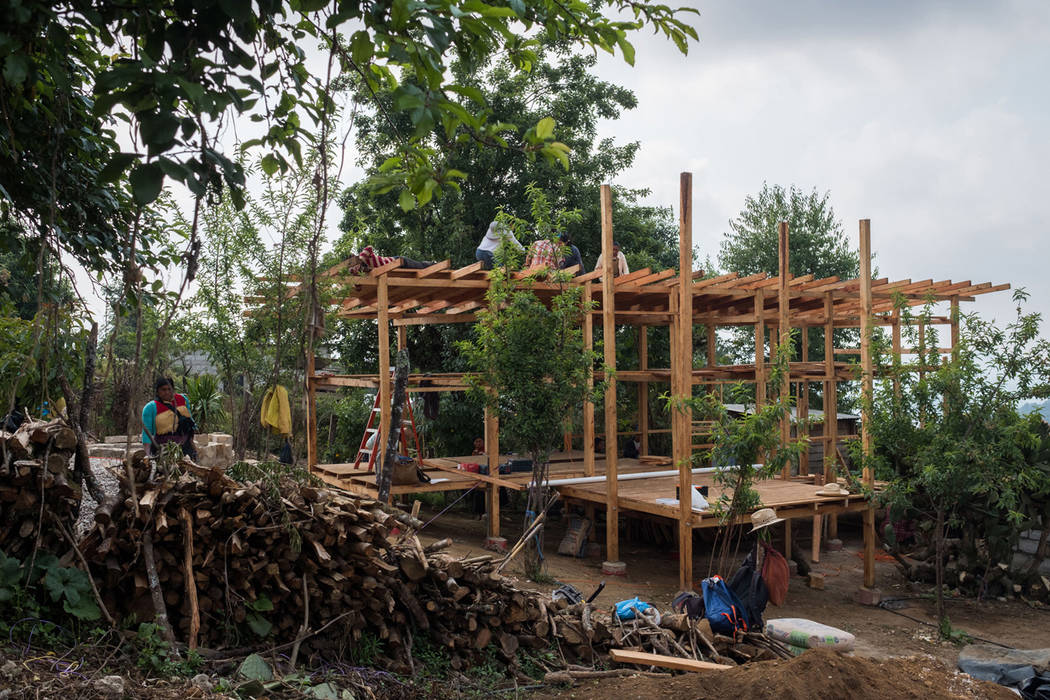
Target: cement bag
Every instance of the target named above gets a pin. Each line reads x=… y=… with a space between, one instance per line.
x=811 y=635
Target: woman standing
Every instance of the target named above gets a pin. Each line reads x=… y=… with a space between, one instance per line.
x=167 y=418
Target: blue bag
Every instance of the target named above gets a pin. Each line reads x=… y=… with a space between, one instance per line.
x=722 y=608
x=631 y=608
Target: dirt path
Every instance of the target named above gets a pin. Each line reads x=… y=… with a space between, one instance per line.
x=652 y=574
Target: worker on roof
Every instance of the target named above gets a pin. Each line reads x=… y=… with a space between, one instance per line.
x=167 y=418
x=543 y=254
x=619 y=265
x=368 y=259
x=571 y=254
x=496 y=234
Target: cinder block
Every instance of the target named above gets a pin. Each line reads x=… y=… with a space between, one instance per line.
x=112 y=439
x=868 y=596
x=833 y=545
x=816 y=581
x=614 y=568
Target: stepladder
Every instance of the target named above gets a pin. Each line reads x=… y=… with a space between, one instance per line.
x=408 y=437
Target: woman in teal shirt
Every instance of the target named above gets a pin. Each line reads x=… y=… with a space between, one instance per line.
x=167 y=418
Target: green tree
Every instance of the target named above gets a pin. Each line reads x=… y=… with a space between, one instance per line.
x=957 y=453
x=532 y=391
x=817 y=245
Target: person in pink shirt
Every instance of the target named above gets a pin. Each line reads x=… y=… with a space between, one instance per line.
x=368 y=259
x=542 y=253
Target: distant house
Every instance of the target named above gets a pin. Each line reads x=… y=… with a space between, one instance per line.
x=848 y=428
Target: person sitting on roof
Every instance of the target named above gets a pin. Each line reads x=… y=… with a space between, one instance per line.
x=619 y=265
x=368 y=259
x=572 y=257
x=543 y=254
x=490 y=243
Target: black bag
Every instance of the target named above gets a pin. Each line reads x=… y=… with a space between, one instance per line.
x=186 y=425
x=749 y=587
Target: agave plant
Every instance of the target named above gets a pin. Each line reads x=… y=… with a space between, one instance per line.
x=205 y=401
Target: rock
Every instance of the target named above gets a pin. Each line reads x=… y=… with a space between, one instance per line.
x=110 y=686
x=203 y=681
x=9 y=669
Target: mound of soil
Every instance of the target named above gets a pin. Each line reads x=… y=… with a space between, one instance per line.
x=818 y=674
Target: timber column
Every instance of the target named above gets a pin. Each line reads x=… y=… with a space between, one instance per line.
x=784 y=331
x=682 y=425
x=868 y=595
x=612 y=565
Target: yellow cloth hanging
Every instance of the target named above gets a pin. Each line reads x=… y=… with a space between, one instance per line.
x=276 y=412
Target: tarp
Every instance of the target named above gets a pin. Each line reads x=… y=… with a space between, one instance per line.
x=1027 y=670
x=276 y=412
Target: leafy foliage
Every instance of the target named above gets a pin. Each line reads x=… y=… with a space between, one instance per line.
x=44 y=588
x=951 y=442
x=206 y=401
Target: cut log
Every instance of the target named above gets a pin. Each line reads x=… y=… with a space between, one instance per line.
x=625 y=656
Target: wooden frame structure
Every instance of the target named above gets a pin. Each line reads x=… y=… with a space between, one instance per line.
x=393 y=296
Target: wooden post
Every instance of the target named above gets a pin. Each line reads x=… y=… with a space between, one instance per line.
x=803 y=408
x=760 y=349
x=712 y=355
x=643 y=388
x=492 y=452
x=588 y=405
x=682 y=436
x=785 y=337
x=831 y=405
x=612 y=505
x=867 y=392
x=402 y=337
x=383 y=304
x=922 y=365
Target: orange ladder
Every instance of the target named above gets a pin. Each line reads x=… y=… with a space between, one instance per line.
x=372 y=429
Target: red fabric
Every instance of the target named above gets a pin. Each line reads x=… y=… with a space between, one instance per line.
x=178 y=401
x=371 y=259
x=776 y=574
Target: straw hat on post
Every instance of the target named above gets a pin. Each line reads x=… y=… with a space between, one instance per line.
x=764 y=517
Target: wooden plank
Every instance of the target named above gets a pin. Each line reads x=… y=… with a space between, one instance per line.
x=624 y=656
x=682 y=437
x=433 y=269
x=383 y=269
x=612 y=509
x=428 y=319
x=492 y=450
x=760 y=349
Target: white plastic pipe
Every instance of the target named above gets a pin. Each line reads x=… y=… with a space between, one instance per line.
x=626 y=477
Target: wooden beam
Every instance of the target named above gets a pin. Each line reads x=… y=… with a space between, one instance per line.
x=760 y=349
x=802 y=407
x=435 y=268
x=588 y=404
x=311 y=409
x=784 y=279
x=624 y=656
x=867 y=394
x=492 y=450
x=612 y=504
x=383 y=269
x=384 y=370
x=682 y=437
x=831 y=423
x=464 y=271
x=643 y=388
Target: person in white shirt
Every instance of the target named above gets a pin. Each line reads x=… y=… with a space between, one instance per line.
x=486 y=251
x=620 y=267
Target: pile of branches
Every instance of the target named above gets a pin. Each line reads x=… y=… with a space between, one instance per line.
x=39 y=497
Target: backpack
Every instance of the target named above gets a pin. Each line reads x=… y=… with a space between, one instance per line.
x=751 y=590
x=722 y=608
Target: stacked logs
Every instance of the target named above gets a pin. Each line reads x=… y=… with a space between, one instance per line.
x=316 y=571
x=36 y=488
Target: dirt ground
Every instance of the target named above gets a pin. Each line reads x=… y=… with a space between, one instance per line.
x=652 y=574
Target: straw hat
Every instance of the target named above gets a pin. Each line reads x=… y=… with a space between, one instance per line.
x=764 y=518
x=833 y=488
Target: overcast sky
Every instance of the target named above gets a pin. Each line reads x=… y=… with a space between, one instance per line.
x=932 y=119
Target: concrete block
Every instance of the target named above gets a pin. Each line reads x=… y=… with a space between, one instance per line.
x=113 y=439
x=868 y=596
x=816 y=581
x=495 y=544
x=592 y=550
x=833 y=545
x=792 y=567
x=614 y=568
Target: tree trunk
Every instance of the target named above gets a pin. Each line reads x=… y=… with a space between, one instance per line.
x=537 y=500
x=397 y=402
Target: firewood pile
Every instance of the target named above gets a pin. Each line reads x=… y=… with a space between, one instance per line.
x=36 y=487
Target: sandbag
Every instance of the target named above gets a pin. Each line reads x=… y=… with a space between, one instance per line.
x=809 y=634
